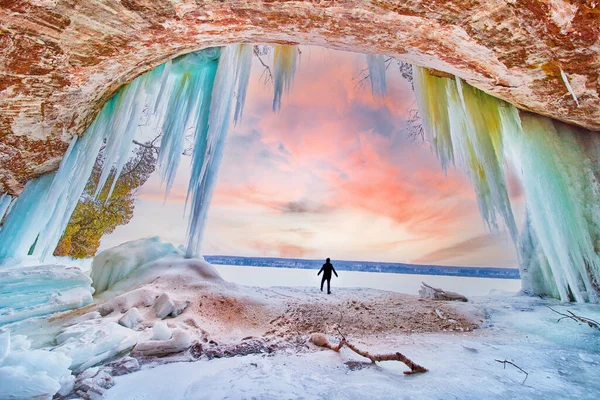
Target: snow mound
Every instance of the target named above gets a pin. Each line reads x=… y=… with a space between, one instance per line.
x=114 y=264
x=27 y=292
x=173 y=270
x=26 y=373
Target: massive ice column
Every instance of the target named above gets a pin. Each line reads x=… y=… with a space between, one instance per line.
x=559 y=244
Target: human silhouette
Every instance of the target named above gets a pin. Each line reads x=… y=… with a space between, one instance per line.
x=326 y=269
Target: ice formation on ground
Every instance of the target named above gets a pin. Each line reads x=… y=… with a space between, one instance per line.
x=28 y=373
x=559 y=180
x=91 y=342
x=31 y=291
x=221 y=319
x=112 y=265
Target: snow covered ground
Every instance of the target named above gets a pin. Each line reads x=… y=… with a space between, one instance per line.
x=561 y=358
x=401 y=283
x=195 y=336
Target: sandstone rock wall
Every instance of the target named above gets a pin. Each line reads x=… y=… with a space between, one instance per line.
x=60 y=60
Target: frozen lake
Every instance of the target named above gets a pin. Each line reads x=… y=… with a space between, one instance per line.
x=402 y=283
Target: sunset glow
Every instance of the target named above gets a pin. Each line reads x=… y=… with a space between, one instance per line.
x=332 y=174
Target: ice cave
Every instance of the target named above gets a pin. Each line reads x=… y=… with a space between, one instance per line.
x=502 y=94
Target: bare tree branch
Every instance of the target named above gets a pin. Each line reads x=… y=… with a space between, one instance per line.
x=590 y=322
x=516 y=366
x=267 y=75
x=320 y=340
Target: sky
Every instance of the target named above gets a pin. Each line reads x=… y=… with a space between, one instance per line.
x=332 y=174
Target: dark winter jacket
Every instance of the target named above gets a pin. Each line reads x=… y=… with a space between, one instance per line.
x=326 y=269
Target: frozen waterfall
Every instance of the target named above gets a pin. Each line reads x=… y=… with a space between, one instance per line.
x=194 y=92
x=558 y=245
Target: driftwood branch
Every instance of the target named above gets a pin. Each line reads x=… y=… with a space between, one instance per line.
x=267 y=75
x=516 y=366
x=320 y=340
x=429 y=292
x=590 y=322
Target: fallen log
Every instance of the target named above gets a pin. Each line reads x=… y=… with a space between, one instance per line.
x=320 y=340
x=429 y=292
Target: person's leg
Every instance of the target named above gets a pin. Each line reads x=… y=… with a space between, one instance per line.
x=328 y=287
x=322 y=282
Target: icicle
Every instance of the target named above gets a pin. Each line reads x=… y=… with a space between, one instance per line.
x=463 y=123
x=37 y=219
x=377 y=69
x=128 y=106
x=5 y=201
x=209 y=143
x=244 y=67
x=557 y=248
x=284 y=69
x=188 y=84
x=568 y=85
x=430 y=92
x=41 y=213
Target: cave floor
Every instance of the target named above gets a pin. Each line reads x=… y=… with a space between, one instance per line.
x=561 y=360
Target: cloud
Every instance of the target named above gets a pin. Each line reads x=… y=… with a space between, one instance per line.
x=303 y=207
x=463 y=248
x=281 y=249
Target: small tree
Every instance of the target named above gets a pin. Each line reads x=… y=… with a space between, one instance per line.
x=94 y=218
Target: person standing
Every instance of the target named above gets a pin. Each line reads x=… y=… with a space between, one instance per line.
x=327 y=269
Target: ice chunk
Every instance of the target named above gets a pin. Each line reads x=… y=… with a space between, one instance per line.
x=131 y=318
x=179 y=341
x=92 y=383
x=123 y=366
x=160 y=331
x=112 y=265
x=92 y=342
x=27 y=292
x=26 y=373
x=179 y=308
x=164 y=306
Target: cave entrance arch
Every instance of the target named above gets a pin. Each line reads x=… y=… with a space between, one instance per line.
x=61 y=60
